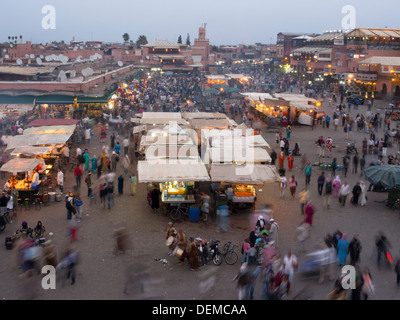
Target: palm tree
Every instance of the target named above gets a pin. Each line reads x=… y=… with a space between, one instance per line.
x=125 y=36
x=141 y=40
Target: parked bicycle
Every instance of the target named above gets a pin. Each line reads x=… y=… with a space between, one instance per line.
x=229 y=254
x=181 y=211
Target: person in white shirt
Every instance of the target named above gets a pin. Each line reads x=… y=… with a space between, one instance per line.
x=290 y=263
x=78 y=152
x=87 y=135
x=344 y=191
x=60 y=180
x=125 y=144
x=35 y=180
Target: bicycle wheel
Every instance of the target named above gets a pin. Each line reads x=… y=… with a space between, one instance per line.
x=231 y=258
x=217 y=259
x=175 y=214
x=226 y=247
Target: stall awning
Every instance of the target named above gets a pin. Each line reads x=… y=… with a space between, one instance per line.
x=21 y=165
x=55 y=99
x=181 y=170
x=17 y=100
x=203 y=115
x=239 y=155
x=51 y=130
x=166 y=140
x=210 y=123
x=31 y=151
x=163 y=121
x=248 y=174
x=172 y=152
x=52 y=122
x=161 y=115
x=37 y=140
x=138 y=129
x=92 y=99
x=248 y=141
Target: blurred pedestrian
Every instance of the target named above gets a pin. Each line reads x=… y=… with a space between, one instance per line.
x=120 y=184
x=368 y=287
x=273 y=232
x=343 y=193
x=79 y=205
x=309 y=213
x=304 y=197
x=328 y=191
x=343 y=249
x=321 y=182
x=355 y=250
x=292 y=186
x=133 y=182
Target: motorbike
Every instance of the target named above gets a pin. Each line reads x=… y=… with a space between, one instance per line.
x=351 y=148
x=209 y=251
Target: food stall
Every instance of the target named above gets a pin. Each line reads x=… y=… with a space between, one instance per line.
x=22 y=172
x=176 y=178
x=235 y=185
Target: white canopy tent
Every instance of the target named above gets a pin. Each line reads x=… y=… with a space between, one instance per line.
x=171 y=152
x=22 y=165
x=257 y=174
x=37 y=140
x=31 y=151
x=176 y=170
x=239 y=155
x=249 y=141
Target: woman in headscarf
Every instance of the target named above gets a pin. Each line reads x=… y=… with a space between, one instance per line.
x=336 y=186
x=343 y=249
x=328 y=191
x=363 y=195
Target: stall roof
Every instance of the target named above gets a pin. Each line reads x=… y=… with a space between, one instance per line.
x=294 y=97
x=177 y=170
x=166 y=140
x=172 y=152
x=51 y=130
x=259 y=96
x=203 y=115
x=161 y=115
x=31 y=151
x=236 y=155
x=247 y=174
x=21 y=165
x=37 y=140
x=303 y=106
x=52 y=122
x=210 y=123
x=163 y=121
x=249 y=141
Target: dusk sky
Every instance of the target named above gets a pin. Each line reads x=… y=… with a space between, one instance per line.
x=228 y=21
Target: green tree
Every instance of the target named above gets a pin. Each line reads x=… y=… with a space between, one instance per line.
x=125 y=36
x=141 y=40
x=180 y=39
x=188 y=40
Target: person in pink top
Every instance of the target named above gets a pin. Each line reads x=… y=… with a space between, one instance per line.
x=246 y=247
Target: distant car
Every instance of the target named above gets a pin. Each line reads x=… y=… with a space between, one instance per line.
x=354 y=97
